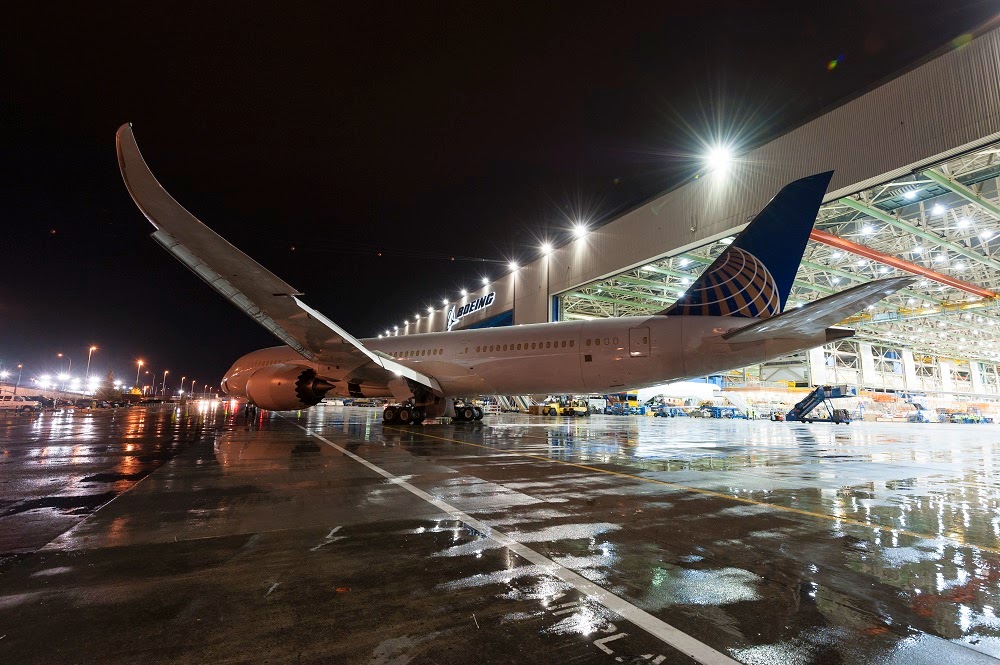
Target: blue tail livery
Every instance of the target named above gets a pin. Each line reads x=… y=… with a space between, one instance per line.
x=754 y=276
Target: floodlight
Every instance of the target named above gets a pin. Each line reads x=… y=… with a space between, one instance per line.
x=4 y=374
x=579 y=230
x=546 y=249
x=464 y=293
x=430 y=310
x=719 y=158
x=486 y=281
x=937 y=209
x=512 y=266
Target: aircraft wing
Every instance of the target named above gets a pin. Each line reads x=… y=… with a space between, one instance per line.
x=809 y=320
x=244 y=282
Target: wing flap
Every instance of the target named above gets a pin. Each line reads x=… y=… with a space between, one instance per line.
x=810 y=320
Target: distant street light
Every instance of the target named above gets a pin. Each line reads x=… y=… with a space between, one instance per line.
x=70 y=368
x=138 y=367
x=183 y=379
x=193 y=382
x=19 y=368
x=163 y=385
x=89 y=353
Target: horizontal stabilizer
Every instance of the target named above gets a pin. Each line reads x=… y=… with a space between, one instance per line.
x=810 y=320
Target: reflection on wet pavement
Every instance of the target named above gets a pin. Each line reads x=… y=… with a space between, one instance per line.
x=769 y=542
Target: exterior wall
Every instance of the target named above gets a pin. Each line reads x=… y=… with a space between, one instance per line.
x=939 y=109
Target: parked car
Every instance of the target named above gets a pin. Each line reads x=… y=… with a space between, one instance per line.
x=18 y=403
x=46 y=402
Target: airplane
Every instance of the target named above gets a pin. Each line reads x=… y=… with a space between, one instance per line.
x=732 y=316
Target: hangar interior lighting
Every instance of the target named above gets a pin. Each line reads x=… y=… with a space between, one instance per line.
x=513 y=266
x=486 y=281
x=464 y=293
x=546 y=249
x=579 y=230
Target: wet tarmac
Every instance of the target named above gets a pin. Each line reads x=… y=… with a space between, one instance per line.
x=186 y=535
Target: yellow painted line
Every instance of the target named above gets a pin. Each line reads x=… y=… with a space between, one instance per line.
x=720 y=495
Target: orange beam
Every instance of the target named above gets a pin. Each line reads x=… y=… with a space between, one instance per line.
x=906 y=266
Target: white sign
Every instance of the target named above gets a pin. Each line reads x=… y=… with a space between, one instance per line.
x=456 y=315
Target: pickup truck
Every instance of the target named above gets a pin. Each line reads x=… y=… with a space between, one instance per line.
x=18 y=403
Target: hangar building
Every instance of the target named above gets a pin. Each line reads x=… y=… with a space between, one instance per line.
x=917 y=163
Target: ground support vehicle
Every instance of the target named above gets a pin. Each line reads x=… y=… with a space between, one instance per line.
x=821 y=396
x=19 y=404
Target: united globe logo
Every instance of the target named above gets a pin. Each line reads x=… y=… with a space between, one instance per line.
x=738 y=284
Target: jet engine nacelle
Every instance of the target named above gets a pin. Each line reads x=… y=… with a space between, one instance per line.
x=286 y=387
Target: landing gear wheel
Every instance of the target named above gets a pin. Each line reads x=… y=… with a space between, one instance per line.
x=405 y=415
x=468 y=413
x=479 y=413
x=418 y=416
x=390 y=415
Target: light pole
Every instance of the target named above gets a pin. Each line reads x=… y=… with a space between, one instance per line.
x=183 y=379
x=4 y=374
x=138 y=367
x=19 y=368
x=163 y=386
x=153 y=385
x=69 y=370
x=89 y=353
x=193 y=382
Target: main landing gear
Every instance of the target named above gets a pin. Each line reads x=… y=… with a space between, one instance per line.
x=404 y=414
x=467 y=413
x=407 y=414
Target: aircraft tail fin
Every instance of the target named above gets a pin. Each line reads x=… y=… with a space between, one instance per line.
x=753 y=276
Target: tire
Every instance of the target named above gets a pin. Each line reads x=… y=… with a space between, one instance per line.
x=468 y=413
x=418 y=416
x=390 y=415
x=405 y=415
x=26 y=409
x=479 y=413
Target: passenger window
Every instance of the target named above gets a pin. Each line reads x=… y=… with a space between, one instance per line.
x=615 y=340
x=597 y=341
x=518 y=347
x=532 y=345
x=477 y=349
x=504 y=347
x=606 y=340
x=588 y=341
x=564 y=344
x=491 y=348
x=645 y=340
x=571 y=343
x=548 y=345
x=440 y=352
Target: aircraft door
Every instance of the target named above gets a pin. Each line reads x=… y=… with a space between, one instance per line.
x=638 y=342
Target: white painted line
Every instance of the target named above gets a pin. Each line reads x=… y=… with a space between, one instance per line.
x=661 y=630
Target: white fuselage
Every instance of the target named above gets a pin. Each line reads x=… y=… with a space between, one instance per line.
x=570 y=357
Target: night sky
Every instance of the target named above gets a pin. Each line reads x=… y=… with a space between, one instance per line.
x=377 y=158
